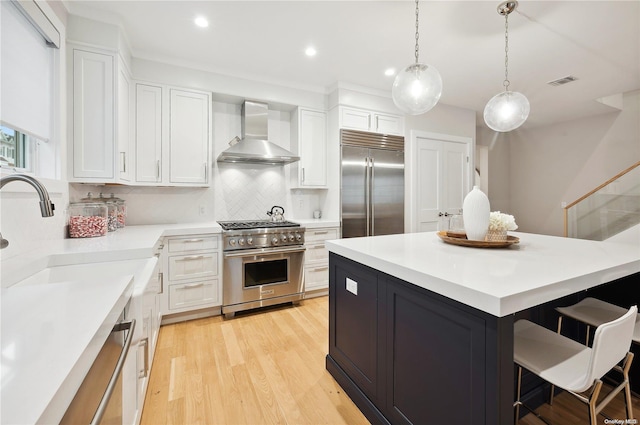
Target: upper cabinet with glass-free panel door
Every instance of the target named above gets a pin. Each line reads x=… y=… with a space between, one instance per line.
x=309 y=141
x=172 y=136
x=375 y=122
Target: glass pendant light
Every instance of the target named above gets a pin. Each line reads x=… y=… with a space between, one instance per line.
x=508 y=110
x=418 y=87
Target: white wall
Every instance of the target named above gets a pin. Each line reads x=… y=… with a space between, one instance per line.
x=532 y=171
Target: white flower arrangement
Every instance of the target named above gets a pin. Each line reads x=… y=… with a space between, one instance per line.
x=501 y=221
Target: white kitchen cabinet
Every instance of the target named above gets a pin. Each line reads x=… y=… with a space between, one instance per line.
x=189 y=135
x=193 y=275
x=124 y=125
x=376 y=122
x=144 y=307
x=148 y=133
x=172 y=136
x=316 y=260
x=309 y=141
x=100 y=116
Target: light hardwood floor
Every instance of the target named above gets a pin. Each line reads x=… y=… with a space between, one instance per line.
x=269 y=368
x=262 y=368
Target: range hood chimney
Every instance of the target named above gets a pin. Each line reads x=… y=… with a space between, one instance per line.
x=255 y=147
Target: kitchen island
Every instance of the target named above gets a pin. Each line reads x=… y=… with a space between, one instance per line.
x=421 y=331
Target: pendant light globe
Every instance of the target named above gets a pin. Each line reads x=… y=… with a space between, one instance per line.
x=506 y=111
x=417 y=88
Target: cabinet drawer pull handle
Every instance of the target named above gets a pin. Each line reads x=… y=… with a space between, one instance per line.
x=192 y=240
x=321 y=232
x=145 y=370
x=192 y=285
x=193 y=257
x=317 y=247
x=318 y=269
x=158 y=170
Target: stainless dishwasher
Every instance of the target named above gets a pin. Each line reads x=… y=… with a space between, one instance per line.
x=99 y=398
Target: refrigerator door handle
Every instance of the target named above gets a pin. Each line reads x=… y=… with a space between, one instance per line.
x=372 y=201
x=367 y=195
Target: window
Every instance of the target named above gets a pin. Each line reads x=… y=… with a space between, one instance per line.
x=17 y=150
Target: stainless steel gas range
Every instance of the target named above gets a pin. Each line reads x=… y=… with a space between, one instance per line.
x=263 y=264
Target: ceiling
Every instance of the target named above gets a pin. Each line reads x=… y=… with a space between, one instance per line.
x=598 y=42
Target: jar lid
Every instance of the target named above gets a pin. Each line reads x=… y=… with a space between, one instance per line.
x=106 y=200
x=116 y=199
x=88 y=199
x=87 y=204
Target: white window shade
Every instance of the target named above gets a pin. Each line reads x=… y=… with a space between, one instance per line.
x=26 y=75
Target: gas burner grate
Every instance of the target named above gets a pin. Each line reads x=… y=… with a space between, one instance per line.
x=250 y=224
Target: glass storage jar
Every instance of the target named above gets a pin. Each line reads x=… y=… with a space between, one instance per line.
x=122 y=210
x=87 y=219
x=112 y=211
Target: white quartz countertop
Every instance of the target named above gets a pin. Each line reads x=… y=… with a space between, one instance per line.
x=51 y=333
x=497 y=281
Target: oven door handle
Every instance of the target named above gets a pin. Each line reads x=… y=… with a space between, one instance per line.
x=263 y=251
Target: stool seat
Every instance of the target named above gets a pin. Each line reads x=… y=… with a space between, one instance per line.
x=555 y=358
x=595 y=312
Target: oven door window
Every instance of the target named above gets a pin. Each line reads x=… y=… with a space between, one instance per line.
x=266 y=272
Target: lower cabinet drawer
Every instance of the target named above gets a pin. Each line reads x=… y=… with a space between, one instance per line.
x=316 y=252
x=323 y=234
x=316 y=276
x=193 y=294
x=195 y=243
x=193 y=266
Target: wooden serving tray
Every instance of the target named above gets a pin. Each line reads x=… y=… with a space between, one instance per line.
x=461 y=240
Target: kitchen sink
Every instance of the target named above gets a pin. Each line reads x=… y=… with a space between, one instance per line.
x=83 y=272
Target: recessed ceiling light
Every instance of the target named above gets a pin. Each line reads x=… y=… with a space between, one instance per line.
x=310 y=51
x=389 y=72
x=201 y=21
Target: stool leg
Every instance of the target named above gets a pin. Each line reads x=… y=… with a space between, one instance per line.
x=518 y=402
x=593 y=400
x=587 y=337
x=553 y=387
x=627 y=388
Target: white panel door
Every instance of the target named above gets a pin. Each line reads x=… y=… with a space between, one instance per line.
x=355 y=119
x=93 y=116
x=388 y=124
x=313 y=148
x=442 y=170
x=148 y=133
x=124 y=123
x=189 y=137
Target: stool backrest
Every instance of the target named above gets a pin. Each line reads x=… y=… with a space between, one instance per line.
x=611 y=343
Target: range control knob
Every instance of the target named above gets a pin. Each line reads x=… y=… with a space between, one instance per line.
x=232 y=242
x=274 y=241
x=291 y=238
x=298 y=237
x=284 y=238
x=249 y=241
x=241 y=241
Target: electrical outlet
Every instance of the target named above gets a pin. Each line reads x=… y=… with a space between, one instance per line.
x=301 y=204
x=202 y=210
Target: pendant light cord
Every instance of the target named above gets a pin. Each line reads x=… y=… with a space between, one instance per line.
x=417 y=32
x=506 y=52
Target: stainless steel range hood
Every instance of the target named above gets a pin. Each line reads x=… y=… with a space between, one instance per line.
x=255 y=147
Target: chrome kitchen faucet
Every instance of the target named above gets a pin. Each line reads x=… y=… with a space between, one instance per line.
x=46 y=206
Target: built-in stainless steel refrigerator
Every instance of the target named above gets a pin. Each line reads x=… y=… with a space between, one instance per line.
x=372 y=184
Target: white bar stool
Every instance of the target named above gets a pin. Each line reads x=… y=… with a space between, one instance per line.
x=574 y=367
x=594 y=312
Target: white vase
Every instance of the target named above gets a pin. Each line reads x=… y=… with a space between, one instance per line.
x=475 y=213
